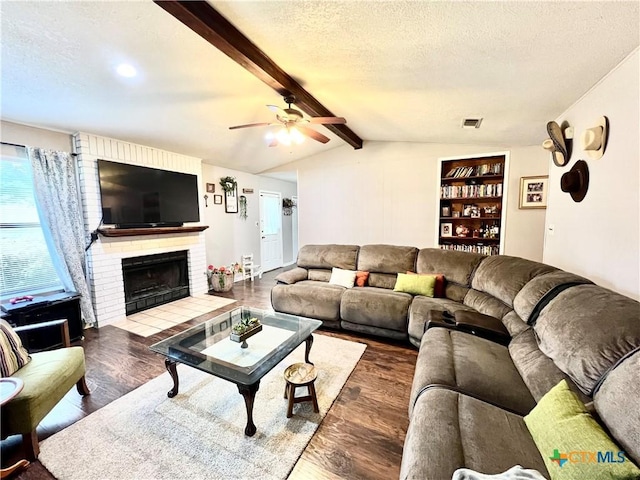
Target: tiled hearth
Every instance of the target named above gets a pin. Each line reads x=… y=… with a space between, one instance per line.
x=156 y=319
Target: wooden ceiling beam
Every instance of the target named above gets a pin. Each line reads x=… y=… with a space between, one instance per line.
x=207 y=22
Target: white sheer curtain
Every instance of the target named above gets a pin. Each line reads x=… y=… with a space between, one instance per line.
x=56 y=192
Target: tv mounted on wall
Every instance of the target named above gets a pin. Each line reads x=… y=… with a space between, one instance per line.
x=135 y=197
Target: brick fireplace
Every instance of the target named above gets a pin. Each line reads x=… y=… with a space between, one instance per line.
x=105 y=257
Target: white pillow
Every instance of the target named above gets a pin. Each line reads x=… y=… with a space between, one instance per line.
x=345 y=278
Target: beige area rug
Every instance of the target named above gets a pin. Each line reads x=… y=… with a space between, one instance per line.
x=156 y=319
x=199 y=434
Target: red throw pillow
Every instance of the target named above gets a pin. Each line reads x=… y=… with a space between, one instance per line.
x=439 y=289
x=361 y=278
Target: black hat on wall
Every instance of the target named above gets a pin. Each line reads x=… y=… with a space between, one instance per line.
x=576 y=181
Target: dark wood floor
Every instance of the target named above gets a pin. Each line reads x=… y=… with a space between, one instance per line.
x=360 y=438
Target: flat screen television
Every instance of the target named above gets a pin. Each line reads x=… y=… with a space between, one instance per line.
x=135 y=197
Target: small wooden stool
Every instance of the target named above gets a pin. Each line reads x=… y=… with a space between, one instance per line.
x=300 y=375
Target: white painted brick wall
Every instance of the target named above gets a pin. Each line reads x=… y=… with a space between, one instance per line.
x=104 y=260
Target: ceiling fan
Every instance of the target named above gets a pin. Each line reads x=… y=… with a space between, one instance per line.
x=294 y=125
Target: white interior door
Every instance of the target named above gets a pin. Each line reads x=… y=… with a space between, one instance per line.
x=270 y=230
x=294 y=230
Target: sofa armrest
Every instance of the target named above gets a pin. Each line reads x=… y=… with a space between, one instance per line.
x=62 y=323
x=292 y=276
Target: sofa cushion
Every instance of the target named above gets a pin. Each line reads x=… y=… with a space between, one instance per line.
x=382 y=280
x=376 y=307
x=416 y=284
x=537 y=370
x=13 y=356
x=47 y=378
x=515 y=325
x=319 y=275
x=560 y=423
x=485 y=303
x=455 y=292
x=328 y=256
x=544 y=286
x=292 y=276
x=450 y=430
x=371 y=330
x=616 y=402
x=309 y=299
x=491 y=274
x=472 y=365
x=387 y=258
x=419 y=309
x=457 y=267
x=586 y=329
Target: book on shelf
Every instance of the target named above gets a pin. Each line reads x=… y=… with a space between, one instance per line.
x=471 y=191
x=475 y=171
x=481 y=249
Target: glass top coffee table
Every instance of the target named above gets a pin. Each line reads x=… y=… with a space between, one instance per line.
x=209 y=347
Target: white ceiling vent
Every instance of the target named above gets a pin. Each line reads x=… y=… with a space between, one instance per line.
x=471 y=122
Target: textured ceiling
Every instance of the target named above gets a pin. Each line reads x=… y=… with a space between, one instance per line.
x=397 y=70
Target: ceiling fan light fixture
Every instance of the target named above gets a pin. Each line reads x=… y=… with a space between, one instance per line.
x=295 y=136
x=287 y=136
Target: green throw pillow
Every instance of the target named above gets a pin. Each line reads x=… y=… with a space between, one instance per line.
x=415 y=284
x=572 y=444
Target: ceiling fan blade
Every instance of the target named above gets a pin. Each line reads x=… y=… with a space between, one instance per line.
x=328 y=120
x=263 y=124
x=312 y=134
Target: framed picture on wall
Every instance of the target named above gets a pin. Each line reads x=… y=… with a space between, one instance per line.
x=533 y=192
x=231 y=201
x=217 y=199
x=211 y=187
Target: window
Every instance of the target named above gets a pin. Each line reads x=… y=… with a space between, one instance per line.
x=25 y=263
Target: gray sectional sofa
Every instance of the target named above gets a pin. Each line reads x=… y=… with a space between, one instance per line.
x=470 y=394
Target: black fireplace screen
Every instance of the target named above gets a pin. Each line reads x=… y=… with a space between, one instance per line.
x=154 y=279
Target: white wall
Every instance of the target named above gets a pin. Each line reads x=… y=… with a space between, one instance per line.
x=229 y=236
x=599 y=237
x=34 y=137
x=524 y=232
x=387 y=193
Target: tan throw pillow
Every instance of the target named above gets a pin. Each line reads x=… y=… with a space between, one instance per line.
x=13 y=356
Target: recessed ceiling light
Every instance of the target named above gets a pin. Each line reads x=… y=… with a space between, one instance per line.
x=126 y=70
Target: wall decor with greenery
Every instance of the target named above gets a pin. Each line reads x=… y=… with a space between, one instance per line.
x=243 y=207
x=230 y=187
x=228 y=184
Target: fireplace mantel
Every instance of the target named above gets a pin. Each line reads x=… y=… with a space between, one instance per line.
x=129 y=232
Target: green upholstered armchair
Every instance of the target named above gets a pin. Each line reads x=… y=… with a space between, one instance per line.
x=47 y=378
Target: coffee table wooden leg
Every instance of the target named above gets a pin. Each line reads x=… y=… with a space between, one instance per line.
x=307 y=349
x=249 y=394
x=16 y=467
x=171 y=368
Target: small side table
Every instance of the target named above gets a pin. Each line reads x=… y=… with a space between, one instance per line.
x=9 y=388
x=300 y=375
